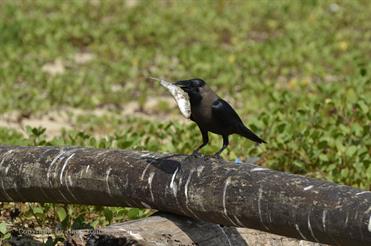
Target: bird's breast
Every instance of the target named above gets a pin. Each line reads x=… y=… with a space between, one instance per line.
x=202 y=115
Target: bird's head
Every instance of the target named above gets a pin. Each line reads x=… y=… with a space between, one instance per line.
x=191 y=86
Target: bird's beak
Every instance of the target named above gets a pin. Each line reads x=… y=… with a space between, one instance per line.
x=184 y=84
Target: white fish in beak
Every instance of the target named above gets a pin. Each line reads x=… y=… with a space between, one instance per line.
x=180 y=96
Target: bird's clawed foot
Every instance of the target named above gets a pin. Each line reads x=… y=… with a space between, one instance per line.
x=217 y=156
x=196 y=154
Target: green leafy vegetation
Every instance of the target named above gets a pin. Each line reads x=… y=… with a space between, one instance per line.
x=298 y=73
x=4 y=233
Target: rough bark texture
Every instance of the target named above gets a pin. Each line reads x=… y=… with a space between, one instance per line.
x=207 y=189
x=178 y=230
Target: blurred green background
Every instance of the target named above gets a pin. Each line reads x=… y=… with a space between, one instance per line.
x=298 y=73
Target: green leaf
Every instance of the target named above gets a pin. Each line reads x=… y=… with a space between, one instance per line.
x=323 y=157
x=363 y=71
x=49 y=242
x=344 y=129
x=344 y=172
x=133 y=213
x=350 y=151
x=299 y=164
x=357 y=129
x=3 y=228
x=61 y=212
x=362 y=105
x=38 y=210
x=331 y=167
x=108 y=214
x=7 y=236
x=368 y=173
x=94 y=223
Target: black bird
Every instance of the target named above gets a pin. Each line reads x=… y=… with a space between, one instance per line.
x=213 y=114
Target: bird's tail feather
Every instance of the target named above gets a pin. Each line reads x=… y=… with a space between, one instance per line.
x=247 y=133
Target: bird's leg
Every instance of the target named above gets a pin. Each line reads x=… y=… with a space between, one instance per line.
x=225 y=145
x=205 y=140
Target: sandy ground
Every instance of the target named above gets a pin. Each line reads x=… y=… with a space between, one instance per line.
x=56 y=120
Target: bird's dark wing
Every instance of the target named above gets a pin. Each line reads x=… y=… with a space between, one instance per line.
x=225 y=114
x=229 y=119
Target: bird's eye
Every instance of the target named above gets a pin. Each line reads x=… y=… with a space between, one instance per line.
x=197 y=83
